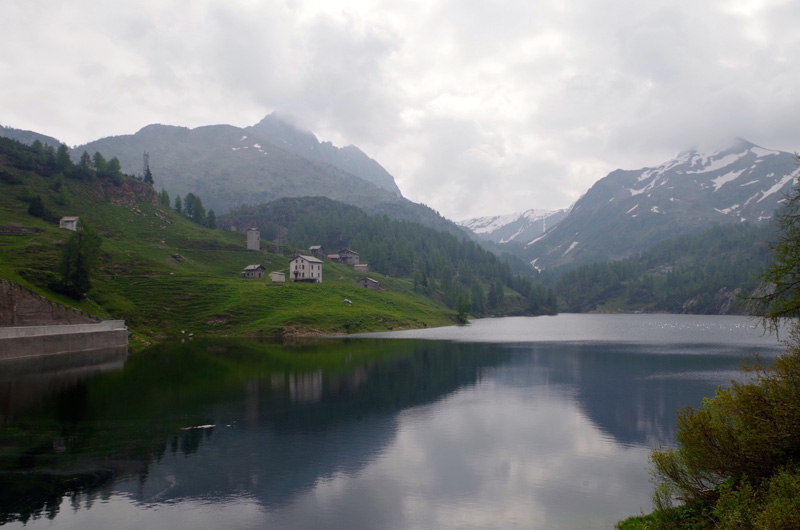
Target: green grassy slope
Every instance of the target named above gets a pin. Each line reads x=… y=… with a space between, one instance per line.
x=167 y=276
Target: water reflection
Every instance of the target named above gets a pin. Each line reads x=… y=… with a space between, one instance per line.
x=353 y=433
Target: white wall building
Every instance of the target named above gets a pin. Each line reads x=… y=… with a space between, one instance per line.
x=305 y=269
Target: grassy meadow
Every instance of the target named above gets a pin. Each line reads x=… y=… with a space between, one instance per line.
x=169 y=277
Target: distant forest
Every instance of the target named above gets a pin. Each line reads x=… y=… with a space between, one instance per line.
x=713 y=272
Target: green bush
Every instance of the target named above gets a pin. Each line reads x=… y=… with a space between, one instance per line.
x=734 y=452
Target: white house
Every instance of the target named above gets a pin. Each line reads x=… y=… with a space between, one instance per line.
x=277 y=277
x=305 y=269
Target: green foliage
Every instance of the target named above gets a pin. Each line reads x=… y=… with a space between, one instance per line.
x=36 y=207
x=401 y=249
x=782 y=299
x=79 y=259
x=697 y=274
x=736 y=455
x=178 y=204
x=148 y=176
x=462 y=308
x=163 y=198
x=84 y=170
x=164 y=274
x=193 y=209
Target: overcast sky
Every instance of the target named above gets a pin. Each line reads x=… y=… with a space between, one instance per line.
x=476 y=107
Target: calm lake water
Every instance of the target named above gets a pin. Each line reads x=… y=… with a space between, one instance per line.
x=535 y=423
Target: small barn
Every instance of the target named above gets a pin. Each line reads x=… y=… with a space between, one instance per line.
x=316 y=251
x=253 y=271
x=277 y=277
x=363 y=268
x=369 y=283
x=348 y=257
x=305 y=269
x=69 y=223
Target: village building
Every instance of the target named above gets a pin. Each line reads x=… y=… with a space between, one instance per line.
x=348 y=257
x=277 y=277
x=69 y=223
x=363 y=268
x=253 y=239
x=305 y=269
x=369 y=283
x=333 y=257
x=316 y=251
x=253 y=271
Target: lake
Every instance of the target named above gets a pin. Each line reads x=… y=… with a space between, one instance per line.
x=535 y=423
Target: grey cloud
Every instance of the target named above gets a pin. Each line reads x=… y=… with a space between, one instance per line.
x=477 y=108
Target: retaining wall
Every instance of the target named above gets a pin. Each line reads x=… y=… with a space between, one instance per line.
x=32 y=341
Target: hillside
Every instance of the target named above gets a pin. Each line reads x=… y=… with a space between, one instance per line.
x=229 y=166
x=440 y=263
x=713 y=272
x=169 y=277
x=631 y=210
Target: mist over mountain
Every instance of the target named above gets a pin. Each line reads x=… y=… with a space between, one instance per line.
x=228 y=166
x=631 y=210
x=350 y=159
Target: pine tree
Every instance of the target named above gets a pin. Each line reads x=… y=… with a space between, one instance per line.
x=78 y=260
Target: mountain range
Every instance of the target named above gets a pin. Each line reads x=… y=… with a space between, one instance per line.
x=227 y=166
x=620 y=215
x=631 y=210
x=517 y=227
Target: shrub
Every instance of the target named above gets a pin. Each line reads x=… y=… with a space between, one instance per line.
x=732 y=448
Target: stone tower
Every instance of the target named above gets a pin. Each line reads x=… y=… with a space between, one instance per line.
x=253 y=239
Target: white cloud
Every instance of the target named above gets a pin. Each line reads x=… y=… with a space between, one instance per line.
x=476 y=108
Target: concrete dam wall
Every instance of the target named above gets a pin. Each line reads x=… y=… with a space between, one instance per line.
x=31 y=326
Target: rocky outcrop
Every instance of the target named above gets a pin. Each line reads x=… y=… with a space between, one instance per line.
x=22 y=307
x=129 y=192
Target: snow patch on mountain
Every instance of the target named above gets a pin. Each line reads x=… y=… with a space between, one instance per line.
x=741 y=182
x=709 y=163
x=728 y=177
x=571 y=248
x=484 y=225
x=514 y=227
x=778 y=185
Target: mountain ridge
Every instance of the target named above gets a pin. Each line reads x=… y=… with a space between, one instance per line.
x=228 y=166
x=517 y=227
x=640 y=208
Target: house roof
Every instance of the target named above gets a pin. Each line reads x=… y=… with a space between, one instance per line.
x=69 y=218
x=310 y=259
x=315 y=247
x=254 y=267
x=347 y=250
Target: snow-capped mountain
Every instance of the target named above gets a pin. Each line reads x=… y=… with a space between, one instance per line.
x=630 y=210
x=516 y=227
